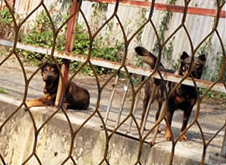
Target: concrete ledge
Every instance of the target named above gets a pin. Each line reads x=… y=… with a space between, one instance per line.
x=54 y=140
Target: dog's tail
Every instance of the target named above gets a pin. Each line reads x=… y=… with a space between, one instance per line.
x=147 y=57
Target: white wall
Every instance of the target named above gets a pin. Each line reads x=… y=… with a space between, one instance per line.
x=132 y=18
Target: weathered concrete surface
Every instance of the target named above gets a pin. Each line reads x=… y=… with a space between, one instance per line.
x=55 y=137
x=17 y=140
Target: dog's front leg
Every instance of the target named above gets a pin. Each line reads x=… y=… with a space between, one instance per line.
x=147 y=95
x=169 y=116
x=66 y=105
x=187 y=114
x=39 y=102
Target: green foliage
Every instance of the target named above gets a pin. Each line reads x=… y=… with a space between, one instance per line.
x=99 y=7
x=218 y=66
x=168 y=51
x=140 y=22
x=206 y=48
x=82 y=45
x=176 y=65
x=164 y=24
x=98 y=15
x=139 y=61
x=6 y=24
x=136 y=79
x=5 y=17
x=42 y=35
x=212 y=94
x=163 y=27
x=3 y=91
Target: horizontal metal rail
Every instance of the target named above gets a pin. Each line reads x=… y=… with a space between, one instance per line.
x=115 y=65
x=167 y=7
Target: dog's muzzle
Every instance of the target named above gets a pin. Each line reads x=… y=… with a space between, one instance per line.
x=49 y=78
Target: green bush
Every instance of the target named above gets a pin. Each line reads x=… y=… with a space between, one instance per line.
x=5 y=16
x=42 y=35
x=6 y=24
x=212 y=94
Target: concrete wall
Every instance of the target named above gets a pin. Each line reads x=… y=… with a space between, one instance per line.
x=17 y=140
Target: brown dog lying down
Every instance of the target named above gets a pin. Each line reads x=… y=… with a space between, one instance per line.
x=75 y=97
x=184 y=97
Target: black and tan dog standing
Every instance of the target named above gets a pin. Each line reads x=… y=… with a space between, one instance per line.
x=184 y=97
x=76 y=97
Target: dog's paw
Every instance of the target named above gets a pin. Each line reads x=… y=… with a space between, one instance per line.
x=183 y=138
x=151 y=143
x=159 y=130
x=26 y=108
x=29 y=104
x=168 y=138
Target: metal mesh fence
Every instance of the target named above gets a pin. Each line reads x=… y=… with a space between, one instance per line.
x=116 y=98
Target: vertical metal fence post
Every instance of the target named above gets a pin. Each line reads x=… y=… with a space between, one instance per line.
x=135 y=106
x=223 y=148
x=111 y=99
x=68 y=48
x=145 y=117
x=123 y=102
x=220 y=158
x=134 y=110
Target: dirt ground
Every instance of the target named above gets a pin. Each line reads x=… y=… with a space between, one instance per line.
x=211 y=117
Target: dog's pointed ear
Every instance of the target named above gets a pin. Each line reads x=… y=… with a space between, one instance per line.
x=184 y=56
x=202 y=57
x=59 y=65
x=43 y=65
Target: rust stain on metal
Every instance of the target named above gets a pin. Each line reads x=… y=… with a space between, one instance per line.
x=168 y=7
x=72 y=24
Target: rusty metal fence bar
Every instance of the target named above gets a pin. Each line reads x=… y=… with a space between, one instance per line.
x=135 y=107
x=111 y=99
x=219 y=85
x=122 y=102
x=68 y=48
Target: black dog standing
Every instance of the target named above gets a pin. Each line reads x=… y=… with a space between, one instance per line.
x=184 y=97
x=76 y=97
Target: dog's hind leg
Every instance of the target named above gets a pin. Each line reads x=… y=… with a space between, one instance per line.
x=161 y=111
x=148 y=100
x=145 y=104
x=158 y=113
